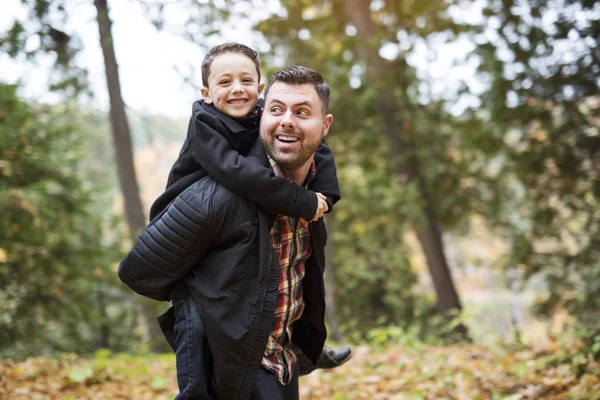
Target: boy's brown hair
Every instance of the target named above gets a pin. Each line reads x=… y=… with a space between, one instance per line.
x=230 y=47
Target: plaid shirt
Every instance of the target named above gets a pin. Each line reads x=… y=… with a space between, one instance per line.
x=292 y=245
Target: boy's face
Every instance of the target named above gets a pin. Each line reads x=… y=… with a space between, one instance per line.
x=233 y=85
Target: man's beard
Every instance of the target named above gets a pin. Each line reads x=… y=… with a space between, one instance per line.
x=291 y=160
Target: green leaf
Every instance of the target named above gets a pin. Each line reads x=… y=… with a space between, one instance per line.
x=80 y=374
x=159 y=383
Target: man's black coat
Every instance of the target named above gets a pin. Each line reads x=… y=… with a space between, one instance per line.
x=219 y=245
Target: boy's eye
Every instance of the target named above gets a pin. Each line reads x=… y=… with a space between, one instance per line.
x=223 y=82
x=248 y=80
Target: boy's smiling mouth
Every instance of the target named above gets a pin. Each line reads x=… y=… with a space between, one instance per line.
x=237 y=101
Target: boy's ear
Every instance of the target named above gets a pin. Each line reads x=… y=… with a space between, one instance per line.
x=205 y=94
x=260 y=88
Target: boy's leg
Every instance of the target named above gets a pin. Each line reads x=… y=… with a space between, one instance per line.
x=329 y=358
x=190 y=353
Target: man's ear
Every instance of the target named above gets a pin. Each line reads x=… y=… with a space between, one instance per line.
x=327 y=123
x=260 y=88
x=205 y=94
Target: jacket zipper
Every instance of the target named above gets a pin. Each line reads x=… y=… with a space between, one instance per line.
x=258 y=316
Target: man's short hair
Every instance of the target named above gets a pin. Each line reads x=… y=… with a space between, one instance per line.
x=299 y=75
x=229 y=47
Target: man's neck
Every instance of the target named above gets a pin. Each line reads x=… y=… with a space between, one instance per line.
x=298 y=175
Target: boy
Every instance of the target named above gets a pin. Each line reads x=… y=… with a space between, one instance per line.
x=223 y=128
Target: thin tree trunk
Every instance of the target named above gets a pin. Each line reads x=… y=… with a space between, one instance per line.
x=332 y=314
x=428 y=234
x=134 y=211
x=430 y=239
x=104 y=328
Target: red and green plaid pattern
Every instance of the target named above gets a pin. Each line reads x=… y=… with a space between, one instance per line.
x=292 y=245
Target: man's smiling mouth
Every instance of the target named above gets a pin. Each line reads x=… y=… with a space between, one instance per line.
x=287 y=139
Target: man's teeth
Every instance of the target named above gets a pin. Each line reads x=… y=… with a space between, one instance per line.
x=287 y=139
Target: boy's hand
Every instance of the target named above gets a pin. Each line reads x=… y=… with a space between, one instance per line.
x=322 y=207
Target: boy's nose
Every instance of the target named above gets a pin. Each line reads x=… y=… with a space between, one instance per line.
x=236 y=87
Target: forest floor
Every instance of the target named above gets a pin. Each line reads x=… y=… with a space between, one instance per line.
x=560 y=369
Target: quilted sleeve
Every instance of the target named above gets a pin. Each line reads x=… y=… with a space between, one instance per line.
x=168 y=248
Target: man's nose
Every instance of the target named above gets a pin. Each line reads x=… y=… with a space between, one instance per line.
x=287 y=122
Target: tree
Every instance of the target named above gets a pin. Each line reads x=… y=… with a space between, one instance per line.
x=396 y=129
x=134 y=211
x=56 y=251
x=49 y=21
x=54 y=41
x=542 y=60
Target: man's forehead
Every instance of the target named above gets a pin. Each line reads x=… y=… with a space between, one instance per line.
x=290 y=93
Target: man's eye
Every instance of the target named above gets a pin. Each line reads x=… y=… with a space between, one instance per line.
x=275 y=109
x=302 y=112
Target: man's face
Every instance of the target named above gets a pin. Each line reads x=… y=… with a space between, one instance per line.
x=292 y=125
x=232 y=84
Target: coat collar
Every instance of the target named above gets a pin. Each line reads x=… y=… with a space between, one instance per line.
x=200 y=106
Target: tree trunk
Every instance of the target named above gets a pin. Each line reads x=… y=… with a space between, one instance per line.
x=394 y=129
x=332 y=314
x=430 y=239
x=134 y=211
x=104 y=339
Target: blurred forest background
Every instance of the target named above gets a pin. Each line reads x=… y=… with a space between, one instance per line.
x=467 y=140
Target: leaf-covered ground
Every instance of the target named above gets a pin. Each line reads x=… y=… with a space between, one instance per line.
x=554 y=371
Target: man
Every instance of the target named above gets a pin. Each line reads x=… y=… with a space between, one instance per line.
x=255 y=278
